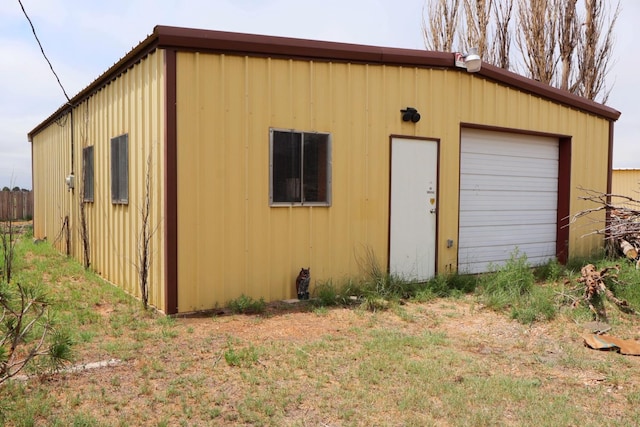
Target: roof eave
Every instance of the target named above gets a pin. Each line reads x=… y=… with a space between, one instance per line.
x=546 y=91
x=135 y=55
x=178 y=38
x=250 y=44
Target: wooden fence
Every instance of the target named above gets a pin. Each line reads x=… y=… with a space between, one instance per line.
x=16 y=205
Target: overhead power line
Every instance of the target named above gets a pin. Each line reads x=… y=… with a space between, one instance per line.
x=42 y=50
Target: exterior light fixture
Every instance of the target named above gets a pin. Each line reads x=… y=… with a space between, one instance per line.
x=471 y=60
x=410 y=114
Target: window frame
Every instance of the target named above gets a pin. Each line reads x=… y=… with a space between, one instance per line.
x=88 y=174
x=120 y=170
x=328 y=169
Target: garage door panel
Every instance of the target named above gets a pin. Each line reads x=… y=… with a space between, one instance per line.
x=507 y=217
x=476 y=182
x=480 y=237
x=505 y=251
x=506 y=144
x=482 y=262
x=509 y=166
x=508 y=198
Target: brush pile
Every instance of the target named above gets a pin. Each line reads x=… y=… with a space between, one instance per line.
x=622 y=231
x=625 y=232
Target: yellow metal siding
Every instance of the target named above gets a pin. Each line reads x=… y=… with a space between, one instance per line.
x=230 y=242
x=626 y=182
x=132 y=103
x=52 y=202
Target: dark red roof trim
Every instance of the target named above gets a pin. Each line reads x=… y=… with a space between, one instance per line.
x=258 y=45
x=171 y=187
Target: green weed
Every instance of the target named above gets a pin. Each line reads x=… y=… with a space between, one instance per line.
x=326 y=294
x=246 y=305
x=321 y=310
x=513 y=287
x=330 y=293
x=448 y=285
x=538 y=305
x=241 y=357
x=551 y=271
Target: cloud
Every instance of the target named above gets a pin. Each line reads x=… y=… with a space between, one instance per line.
x=15 y=162
x=623 y=97
x=84 y=38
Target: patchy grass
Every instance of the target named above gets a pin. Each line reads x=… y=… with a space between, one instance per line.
x=247 y=305
x=438 y=357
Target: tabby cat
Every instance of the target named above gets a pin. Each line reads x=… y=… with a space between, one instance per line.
x=302 y=283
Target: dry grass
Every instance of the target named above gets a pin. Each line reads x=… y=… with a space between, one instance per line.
x=446 y=362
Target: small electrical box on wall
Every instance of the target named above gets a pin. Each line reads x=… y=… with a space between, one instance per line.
x=71 y=182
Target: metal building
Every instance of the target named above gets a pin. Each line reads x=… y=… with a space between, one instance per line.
x=261 y=155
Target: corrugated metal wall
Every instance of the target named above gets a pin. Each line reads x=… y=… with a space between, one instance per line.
x=133 y=103
x=52 y=203
x=625 y=182
x=231 y=242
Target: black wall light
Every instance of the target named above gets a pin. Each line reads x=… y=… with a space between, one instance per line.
x=410 y=114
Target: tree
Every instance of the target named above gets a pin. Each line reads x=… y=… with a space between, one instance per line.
x=502 y=15
x=8 y=240
x=564 y=43
x=568 y=34
x=146 y=233
x=536 y=40
x=594 y=49
x=27 y=331
x=84 y=226
x=478 y=15
x=439 y=30
x=487 y=27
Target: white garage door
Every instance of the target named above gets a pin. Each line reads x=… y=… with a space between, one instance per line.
x=508 y=198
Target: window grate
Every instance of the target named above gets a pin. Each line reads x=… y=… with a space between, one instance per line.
x=300 y=172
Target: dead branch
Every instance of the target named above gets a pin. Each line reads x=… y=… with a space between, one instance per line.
x=144 y=255
x=622 y=230
x=595 y=289
x=86 y=180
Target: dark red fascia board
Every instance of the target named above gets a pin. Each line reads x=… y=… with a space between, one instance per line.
x=549 y=92
x=259 y=45
x=250 y=44
x=283 y=47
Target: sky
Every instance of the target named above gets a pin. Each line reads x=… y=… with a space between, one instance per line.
x=83 y=38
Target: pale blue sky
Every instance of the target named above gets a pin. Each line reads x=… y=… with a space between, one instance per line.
x=82 y=38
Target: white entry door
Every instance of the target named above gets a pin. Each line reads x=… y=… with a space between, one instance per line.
x=413 y=208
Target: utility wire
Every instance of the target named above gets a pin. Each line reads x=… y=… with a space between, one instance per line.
x=42 y=50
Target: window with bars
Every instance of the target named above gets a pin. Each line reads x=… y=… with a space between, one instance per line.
x=300 y=168
x=87 y=174
x=120 y=169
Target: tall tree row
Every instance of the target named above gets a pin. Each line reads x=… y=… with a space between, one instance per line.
x=564 y=43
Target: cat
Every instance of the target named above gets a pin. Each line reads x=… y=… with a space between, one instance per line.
x=302 y=283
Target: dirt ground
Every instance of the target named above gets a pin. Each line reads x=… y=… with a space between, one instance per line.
x=523 y=351
x=160 y=371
